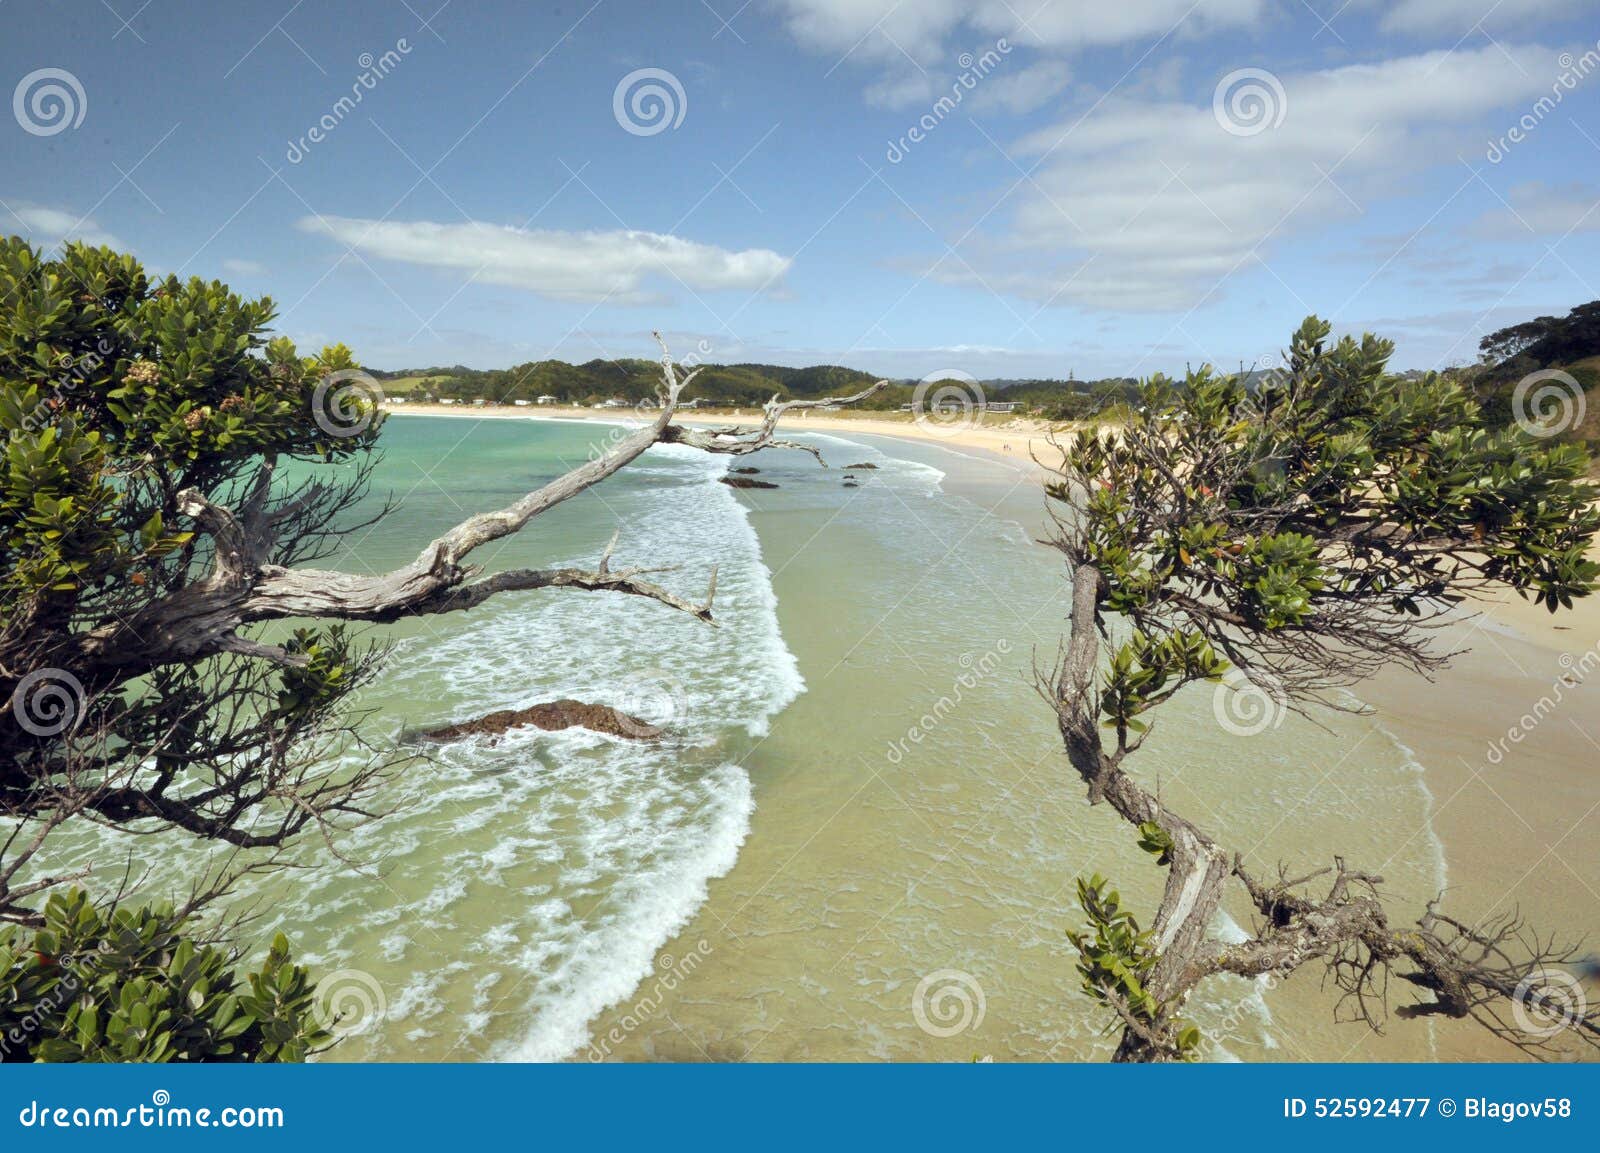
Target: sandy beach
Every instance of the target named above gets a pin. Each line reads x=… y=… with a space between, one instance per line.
x=1509 y=736
x=1013 y=438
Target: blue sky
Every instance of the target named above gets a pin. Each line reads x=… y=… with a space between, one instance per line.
x=1121 y=187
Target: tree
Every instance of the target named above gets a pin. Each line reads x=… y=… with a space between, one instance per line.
x=1545 y=341
x=1305 y=535
x=148 y=540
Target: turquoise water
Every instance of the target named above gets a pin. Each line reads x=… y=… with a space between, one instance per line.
x=860 y=793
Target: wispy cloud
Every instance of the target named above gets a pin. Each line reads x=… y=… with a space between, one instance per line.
x=910 y=43
x=580 y=266
x=49 y=227
x=1538 y=209
x=1465 y=16
x=1150 y=205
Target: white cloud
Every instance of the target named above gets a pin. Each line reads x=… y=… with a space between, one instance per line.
x=887 y=29
x=582 y=266
x=1459 y=17
x=1023 y=90
x=907 y=40
x=1150 y=204
x=1538 y=209
x=245 y=267
x=49 y=227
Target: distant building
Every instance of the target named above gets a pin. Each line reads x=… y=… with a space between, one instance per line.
x=547 y=400
x=520 y=403
x=394 y=400
x=447 y=400
x=615 y=402
x=478 y=402
x=1000 y=406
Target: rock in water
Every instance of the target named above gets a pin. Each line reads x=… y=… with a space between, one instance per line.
x=870 y=467
x=563 y=714
x=747 y=471
x=745 y=482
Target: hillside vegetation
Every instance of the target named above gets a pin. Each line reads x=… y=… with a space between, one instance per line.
x=730 y=385
x=1570 y=345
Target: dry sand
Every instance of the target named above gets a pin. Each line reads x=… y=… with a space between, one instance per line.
x=1012 y=438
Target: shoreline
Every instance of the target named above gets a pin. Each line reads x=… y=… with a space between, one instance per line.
x=1015 y=440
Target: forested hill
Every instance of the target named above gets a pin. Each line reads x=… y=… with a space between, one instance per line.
x=1547 y=368
x=735 y=385
x=631 y=380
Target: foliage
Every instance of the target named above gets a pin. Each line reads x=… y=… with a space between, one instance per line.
x=1116 y=958
x=116 y=392
x=129 y=406
x=1544 y=341
x=1144 y=672
x=131 y=985
x=632 y=380
x=737 y=385
x=1331 y=484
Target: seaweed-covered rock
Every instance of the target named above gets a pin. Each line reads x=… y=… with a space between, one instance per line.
x=745 y=482
x=563 y=714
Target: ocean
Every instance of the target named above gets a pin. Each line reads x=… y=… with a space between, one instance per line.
x=858 y=839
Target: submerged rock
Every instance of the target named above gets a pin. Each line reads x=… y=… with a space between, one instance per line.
x=745 y=482
x=563 y=714
x=747 y=469
x=869 y=467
